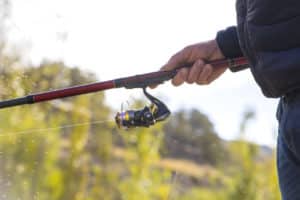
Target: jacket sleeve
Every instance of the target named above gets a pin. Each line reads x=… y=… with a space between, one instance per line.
x=229 y=44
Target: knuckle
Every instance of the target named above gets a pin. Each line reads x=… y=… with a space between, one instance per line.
x=177 y=58
x=187 y=51
x=199 y=65
x=164 y=68
x=200 y=62
x=174 y=57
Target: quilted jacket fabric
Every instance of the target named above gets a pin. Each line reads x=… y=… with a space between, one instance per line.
x=268 y=34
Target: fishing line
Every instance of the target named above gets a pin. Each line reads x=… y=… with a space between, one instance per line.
x=38 y=130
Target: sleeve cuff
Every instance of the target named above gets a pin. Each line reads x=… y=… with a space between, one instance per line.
x=228 y=42
x=229 y=45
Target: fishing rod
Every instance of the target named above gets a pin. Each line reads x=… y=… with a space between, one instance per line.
x=145 y=117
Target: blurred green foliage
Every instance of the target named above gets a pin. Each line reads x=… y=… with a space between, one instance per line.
x=70 y=149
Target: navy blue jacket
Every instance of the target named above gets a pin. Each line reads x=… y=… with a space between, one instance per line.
x=268 y=34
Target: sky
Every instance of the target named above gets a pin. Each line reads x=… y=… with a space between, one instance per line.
x=118 y=38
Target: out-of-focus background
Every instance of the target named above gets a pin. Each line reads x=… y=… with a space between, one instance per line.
x=218 y=143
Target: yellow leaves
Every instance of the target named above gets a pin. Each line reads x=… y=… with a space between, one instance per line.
x=78 y=160
x=54 y=181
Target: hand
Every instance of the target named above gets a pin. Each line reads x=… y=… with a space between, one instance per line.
x=200 y=73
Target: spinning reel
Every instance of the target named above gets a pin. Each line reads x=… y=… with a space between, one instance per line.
x=145 y=117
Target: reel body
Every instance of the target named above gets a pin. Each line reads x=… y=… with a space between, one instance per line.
x=145 y=117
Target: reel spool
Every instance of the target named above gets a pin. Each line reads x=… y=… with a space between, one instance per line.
x=145 y=117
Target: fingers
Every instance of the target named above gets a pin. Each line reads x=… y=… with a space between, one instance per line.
x=199 y=73
x=195 y=71
x=216 y=74
x=203 y=77
x=178 y=59
x=152 y=86
x=180 y=77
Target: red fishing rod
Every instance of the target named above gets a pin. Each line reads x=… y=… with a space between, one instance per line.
x=137 y=81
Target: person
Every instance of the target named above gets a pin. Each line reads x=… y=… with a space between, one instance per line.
x=268 y=35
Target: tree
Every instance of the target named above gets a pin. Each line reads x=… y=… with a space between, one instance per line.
x=190 y=134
